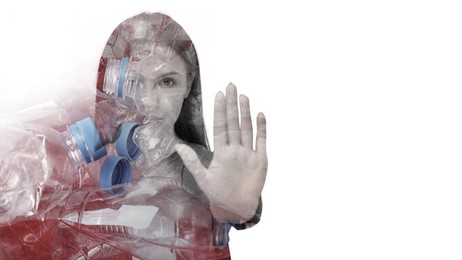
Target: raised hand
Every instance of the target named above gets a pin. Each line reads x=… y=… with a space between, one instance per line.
x=235 y=178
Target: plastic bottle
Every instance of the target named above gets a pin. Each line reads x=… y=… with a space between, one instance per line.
x=121 y=77
x=42 y=161
x=155 y=218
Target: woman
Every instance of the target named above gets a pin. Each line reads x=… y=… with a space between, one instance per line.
x=195 y=195
x=165 y=86
x=164 y=83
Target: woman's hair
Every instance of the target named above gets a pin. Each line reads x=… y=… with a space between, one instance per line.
x=137 y=37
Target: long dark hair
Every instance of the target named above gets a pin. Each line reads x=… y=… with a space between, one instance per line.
x=145 y=31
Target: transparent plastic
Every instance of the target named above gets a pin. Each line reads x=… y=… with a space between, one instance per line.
x=121 y=77
x=156 y=218
x=155 y=143
x=43 y=155
x=110 y=112
x=148 y=75
x=21 y=155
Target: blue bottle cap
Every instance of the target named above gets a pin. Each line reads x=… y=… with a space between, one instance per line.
x=116 y=170
x=88 y=140
x=124 y=143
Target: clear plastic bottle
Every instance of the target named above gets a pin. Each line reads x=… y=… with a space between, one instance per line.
x=155 y=218
x=121 y=77
x=43 y=159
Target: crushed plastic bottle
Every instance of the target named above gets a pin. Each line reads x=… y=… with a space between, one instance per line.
x=21 y=155
x=110 y=112
x=43 y=159
x=156 y=217
x=152 y=139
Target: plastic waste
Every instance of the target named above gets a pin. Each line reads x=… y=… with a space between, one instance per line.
x=155 y=218
x=43 y=155
x=121 y=77
x=154 y=143
x=71 y=210
x=110 y=112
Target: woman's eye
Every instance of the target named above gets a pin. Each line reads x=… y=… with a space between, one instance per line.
x=166 y=82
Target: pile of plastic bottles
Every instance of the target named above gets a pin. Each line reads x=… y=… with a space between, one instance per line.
x=70 y=188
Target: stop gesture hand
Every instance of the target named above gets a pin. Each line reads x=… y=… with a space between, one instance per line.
x=234 y=180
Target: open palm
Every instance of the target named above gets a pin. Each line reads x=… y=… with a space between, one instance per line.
x=235 y=178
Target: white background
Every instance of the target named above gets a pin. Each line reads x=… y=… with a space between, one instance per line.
x=363 y=102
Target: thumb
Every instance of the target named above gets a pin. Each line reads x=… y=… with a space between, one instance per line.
x=191 y=161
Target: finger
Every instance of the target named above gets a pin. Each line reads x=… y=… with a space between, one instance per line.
x=261 y=134
x=246 y=122
x=232 y=114
x=220 y=135
x=191 y=161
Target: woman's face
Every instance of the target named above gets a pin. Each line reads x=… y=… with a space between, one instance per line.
x=164 y=84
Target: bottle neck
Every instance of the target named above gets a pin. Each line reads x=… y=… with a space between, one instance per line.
x=83 y=142
x=73 y=151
